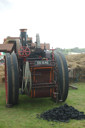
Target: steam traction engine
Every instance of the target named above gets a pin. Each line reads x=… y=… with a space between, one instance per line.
x=35 y=71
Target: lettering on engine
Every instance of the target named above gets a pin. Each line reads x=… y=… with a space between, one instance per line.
x=42 y=62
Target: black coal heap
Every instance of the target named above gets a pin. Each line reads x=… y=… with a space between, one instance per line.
x=63 y=113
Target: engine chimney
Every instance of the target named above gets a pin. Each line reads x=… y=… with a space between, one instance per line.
x=23 y=36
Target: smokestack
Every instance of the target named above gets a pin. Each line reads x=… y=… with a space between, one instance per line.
x=37 y=41
x=23 y=36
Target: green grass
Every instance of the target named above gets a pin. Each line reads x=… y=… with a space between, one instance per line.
x=24 y=114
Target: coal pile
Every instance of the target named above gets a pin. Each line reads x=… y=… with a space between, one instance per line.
x=63 y=113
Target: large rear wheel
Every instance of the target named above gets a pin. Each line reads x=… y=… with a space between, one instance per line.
x=11 y=79
x=15 y=78
x=61 y=77
x=8 y=80
x=65 y=76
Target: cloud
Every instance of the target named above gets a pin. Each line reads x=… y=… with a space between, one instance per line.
x=4 y=4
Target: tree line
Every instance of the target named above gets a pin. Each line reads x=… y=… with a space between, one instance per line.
x=72 y=50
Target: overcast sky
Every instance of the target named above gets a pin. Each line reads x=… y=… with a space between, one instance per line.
x=59 y=22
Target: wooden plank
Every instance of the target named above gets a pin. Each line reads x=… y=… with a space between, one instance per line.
x=73 y=87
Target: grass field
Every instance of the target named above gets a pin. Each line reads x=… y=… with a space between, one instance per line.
x=24 y=114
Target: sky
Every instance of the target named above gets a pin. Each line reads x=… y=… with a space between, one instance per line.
x=58 y=22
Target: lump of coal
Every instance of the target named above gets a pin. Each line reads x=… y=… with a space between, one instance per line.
x=63 y=113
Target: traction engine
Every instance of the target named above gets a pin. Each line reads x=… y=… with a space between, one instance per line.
x=34 y=71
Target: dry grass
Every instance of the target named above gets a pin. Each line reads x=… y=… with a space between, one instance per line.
x=2 y=75
x=76 y=61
